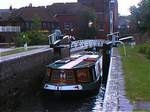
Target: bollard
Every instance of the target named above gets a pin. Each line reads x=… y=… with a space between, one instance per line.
x=106 y=62
x=61 y=52
x=26 y=46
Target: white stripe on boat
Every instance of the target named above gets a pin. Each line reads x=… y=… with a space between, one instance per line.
x=77 y=61
x=66 y=87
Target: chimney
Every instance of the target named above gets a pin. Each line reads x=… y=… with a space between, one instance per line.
x=10 y=8
x=30 y=5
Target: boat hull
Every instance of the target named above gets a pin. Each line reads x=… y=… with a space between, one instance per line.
x=92 y=87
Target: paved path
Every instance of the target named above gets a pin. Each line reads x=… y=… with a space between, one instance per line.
x=18 y=55
x=6 y=49
x=115 y=99
x=12 y=48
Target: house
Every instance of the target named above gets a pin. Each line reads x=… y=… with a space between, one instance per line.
x=18 y=20
x=47 y=23
x=123 y=22
x=8 y=27
x=103 y=9
x=67 y=15
x=125 y=26
x=63 y=16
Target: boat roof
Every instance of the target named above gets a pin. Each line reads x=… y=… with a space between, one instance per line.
x=81 y=60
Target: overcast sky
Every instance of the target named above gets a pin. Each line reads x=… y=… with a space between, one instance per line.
x=4 y=4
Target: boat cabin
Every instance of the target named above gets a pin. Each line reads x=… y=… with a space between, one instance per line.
x=78 y=72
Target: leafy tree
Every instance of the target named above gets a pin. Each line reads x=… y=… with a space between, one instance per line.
x=37 y=38
x=34 y=36
x=36 y=23
x=140 y=16
x=86 y=22
x=22 y=38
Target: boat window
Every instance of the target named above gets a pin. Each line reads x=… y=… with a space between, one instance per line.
x=97 y=69
x=70 y=78
x=55 y=75
x=93 y=73
x=83 y=75
x=62 y=76
x=48 y=74
x=49 y=71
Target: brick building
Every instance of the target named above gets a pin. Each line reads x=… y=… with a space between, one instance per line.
x=18 y=20
x=28 y=14
x=8 y=27
x=64 y=16
x=102 y=9
x=67 y=15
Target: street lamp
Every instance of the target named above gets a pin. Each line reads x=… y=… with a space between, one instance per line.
x=90 y=24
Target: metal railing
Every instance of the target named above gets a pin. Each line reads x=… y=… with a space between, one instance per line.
x=56 y=39
x=84 y=44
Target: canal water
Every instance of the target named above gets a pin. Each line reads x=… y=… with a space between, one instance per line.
x=61 y=103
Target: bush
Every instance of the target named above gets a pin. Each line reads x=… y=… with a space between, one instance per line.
x=19 y=41
x=145 y=49
x=148 y=52
x=22 y=38
x=37 y=38
x=142 y=49
x=32 y=38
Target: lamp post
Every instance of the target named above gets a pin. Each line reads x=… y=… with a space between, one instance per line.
x=111 y=14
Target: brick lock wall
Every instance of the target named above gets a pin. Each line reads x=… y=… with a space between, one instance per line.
x=22 y=76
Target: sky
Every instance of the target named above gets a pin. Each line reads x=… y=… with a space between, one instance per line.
x=123 y=5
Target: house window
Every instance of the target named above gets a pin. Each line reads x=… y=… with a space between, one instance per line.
x=101 y=27
x=100 y=21
x=44 y=24
x=3 y=29
x=68 y=25
x=28 y=25
x=53 y=25
x=2 y=39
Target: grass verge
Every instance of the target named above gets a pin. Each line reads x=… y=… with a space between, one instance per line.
x=141 y=110
x=14 y=51
x=137 y=74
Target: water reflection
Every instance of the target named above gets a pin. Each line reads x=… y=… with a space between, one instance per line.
x=59 y=103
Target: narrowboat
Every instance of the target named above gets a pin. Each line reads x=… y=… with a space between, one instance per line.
x=79 y=72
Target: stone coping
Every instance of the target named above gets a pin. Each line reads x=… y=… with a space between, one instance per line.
x=111 y=99
x=115 y=99
x=22 y=54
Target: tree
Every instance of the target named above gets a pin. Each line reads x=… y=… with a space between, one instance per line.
x=37 y=38
x=34 y=36
x=86 y=22
x=140 y=16
x=36 y=23
x=22 y=38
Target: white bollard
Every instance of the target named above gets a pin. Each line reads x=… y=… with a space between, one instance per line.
x=26 y=46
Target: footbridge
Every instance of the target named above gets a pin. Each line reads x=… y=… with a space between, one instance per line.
x=88 y=43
